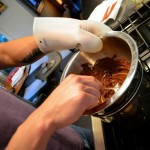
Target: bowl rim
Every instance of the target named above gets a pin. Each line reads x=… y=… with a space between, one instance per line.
x=133 y=67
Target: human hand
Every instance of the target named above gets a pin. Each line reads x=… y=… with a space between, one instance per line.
x=66 y=33
x=64 y=106
x=71 y=99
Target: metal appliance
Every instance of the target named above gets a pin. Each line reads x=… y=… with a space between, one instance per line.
x=131 y=128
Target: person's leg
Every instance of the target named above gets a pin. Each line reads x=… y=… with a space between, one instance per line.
x=86 y=135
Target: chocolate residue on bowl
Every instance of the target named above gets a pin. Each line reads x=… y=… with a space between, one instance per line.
x=110 y=72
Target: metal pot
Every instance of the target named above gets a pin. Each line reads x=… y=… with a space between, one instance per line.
x=114 y=43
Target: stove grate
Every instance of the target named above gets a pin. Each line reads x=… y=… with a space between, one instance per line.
x=138 y=26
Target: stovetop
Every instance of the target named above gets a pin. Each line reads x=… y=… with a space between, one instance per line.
x=129 y=133
x=138 y=26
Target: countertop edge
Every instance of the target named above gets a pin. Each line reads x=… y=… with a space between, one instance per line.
x=98 y=133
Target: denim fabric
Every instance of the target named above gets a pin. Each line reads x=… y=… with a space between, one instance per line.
x=86 y=136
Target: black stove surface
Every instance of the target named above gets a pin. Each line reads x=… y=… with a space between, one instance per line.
x=132 y=132
x=138 y=26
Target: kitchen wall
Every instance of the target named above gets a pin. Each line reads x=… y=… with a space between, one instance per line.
x=17 y=20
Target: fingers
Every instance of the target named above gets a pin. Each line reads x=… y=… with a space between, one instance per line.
x=74 y=96
x=89 y=42
x=86 y=84
x=90 y=101
x=97 y=28
x=91 y=90
x=91 y=81
x=90 y=34
x=84 y=89
x=86 y=80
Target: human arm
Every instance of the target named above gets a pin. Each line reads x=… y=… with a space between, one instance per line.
x=77 y=96
x=63 y=107
x=52 y=34
x=19 y=52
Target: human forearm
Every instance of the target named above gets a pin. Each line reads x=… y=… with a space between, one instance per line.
x=53 y=34
x=19 y=52
x=33 y=134
x=63 y=107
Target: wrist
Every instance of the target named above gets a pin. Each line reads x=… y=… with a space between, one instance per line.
x=44 y=125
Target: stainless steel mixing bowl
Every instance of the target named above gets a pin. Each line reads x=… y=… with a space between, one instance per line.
x=114 y=43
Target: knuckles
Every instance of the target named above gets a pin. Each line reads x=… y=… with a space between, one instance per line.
x=80 y=78
x=75 y=78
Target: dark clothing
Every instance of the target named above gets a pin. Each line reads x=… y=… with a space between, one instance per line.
x=14 y=111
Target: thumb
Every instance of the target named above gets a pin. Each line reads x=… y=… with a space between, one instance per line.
x=89 y=42
x=91 y=33
x=97 y=28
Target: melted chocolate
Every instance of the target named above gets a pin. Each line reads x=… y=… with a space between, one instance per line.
x=110 y=72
